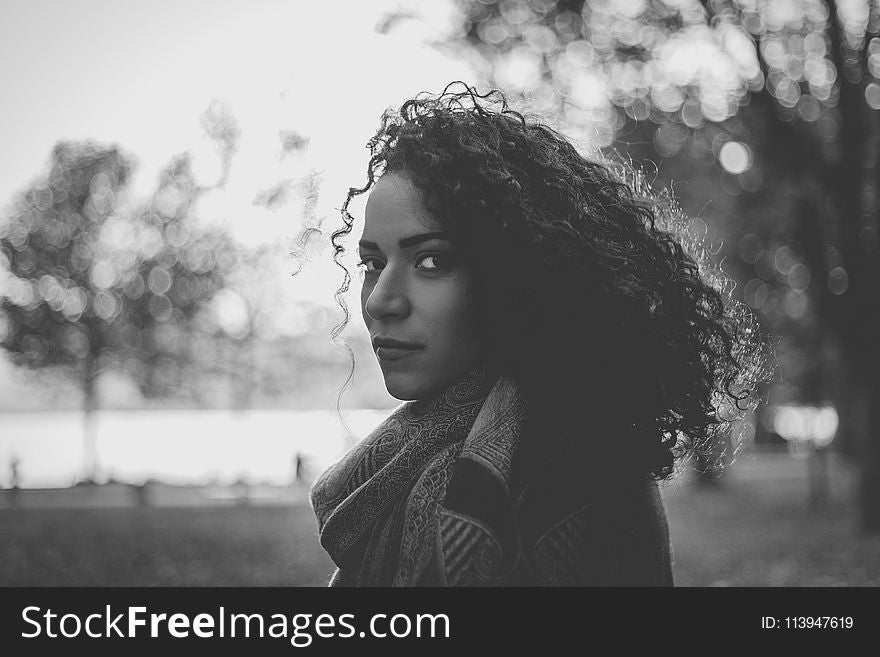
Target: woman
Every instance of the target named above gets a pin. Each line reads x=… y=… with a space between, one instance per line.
x=557 y=351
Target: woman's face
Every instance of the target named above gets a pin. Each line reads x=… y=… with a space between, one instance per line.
x=417 y=297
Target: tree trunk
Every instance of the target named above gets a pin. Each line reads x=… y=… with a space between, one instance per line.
x=858 y=308
x=241 y=373
x=90 y=438
x=869 y=483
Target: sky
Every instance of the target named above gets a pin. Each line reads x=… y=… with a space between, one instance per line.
x=140 y=74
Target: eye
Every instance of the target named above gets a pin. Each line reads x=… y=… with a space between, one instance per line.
x=433 y=262
x=370 y=265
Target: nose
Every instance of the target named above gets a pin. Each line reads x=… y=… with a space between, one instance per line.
x=388 y=297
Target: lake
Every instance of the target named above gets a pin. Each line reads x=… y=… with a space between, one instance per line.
x=177 y=446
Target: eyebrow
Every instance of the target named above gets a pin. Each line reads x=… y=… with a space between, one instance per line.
x=407 y=242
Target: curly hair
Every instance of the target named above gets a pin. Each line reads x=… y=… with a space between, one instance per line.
x=594 y=306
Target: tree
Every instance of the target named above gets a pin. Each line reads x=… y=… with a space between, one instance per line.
x=52 y=314
x=771 y=107
x=92 y=287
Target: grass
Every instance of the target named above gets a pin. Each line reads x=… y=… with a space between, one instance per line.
x=219 y=546
x=759 y=527
x=753 y=528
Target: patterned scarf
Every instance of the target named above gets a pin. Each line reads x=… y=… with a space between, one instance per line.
x=381 y=508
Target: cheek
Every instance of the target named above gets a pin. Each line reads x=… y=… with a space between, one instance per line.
x=454 y=318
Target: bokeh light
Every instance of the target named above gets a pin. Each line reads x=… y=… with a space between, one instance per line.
x=817 y=425
x=735 y=157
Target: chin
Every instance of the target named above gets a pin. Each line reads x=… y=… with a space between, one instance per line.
x=402 y=393
x=406 y=387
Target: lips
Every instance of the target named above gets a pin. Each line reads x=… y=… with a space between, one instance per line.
x=394 y=349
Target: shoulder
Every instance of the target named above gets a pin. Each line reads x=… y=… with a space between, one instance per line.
x=612 y=535
x=556 y=532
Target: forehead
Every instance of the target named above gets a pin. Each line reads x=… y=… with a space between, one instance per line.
x=395 y=208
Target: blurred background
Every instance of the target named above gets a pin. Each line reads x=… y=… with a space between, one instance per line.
x=171 y=172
